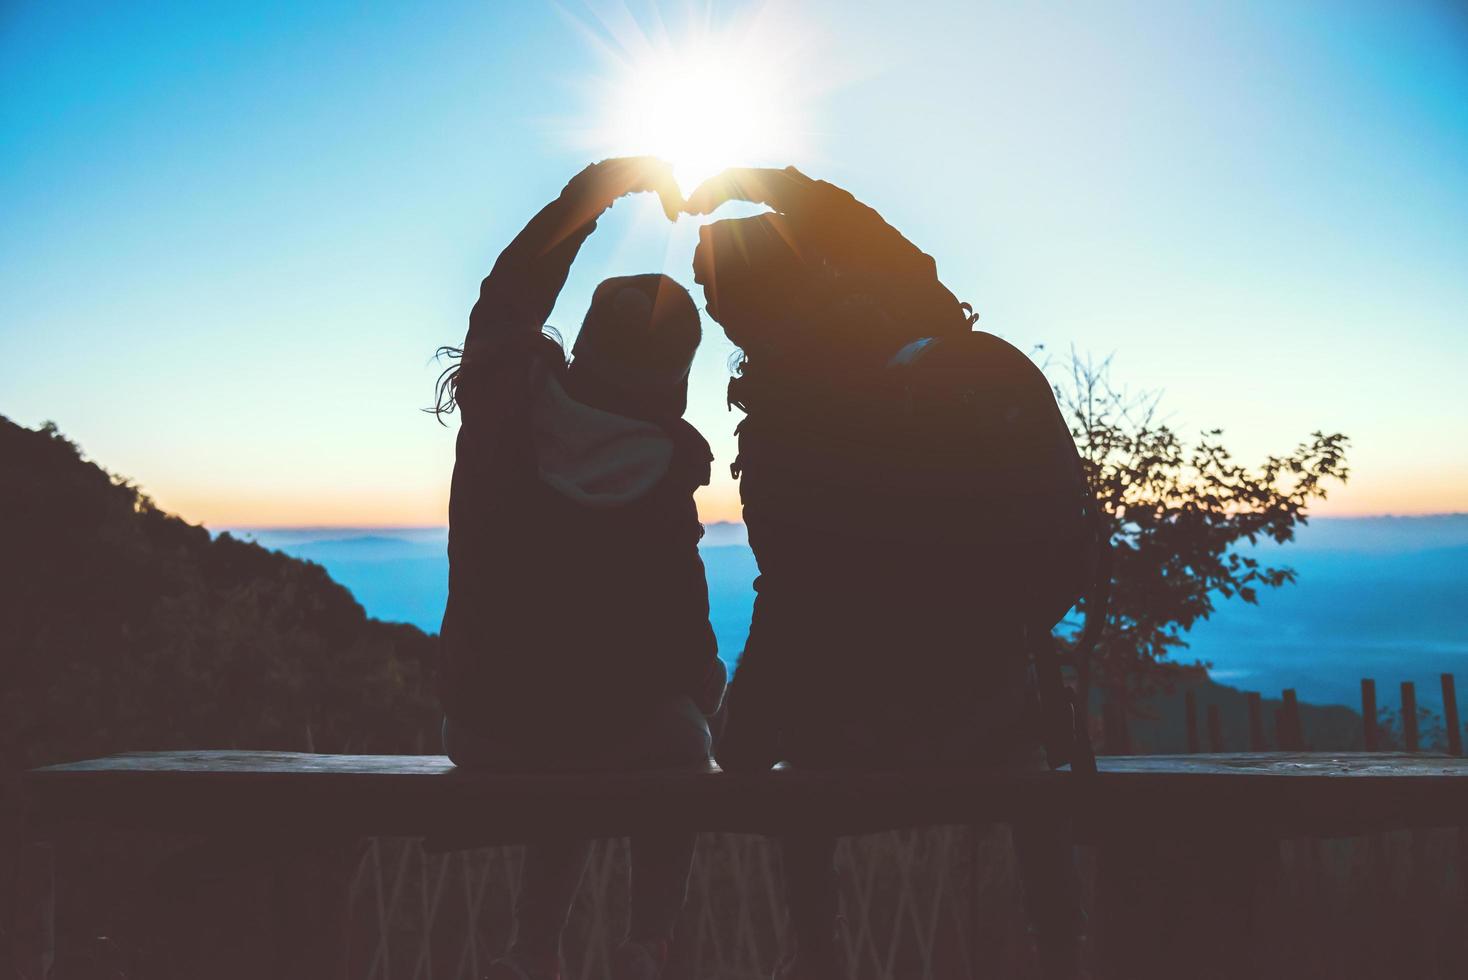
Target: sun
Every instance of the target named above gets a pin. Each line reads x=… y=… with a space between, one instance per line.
x=701 y=109
x=709 y=99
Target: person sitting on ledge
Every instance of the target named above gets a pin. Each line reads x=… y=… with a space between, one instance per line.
x=576 y=634
x=888 y=633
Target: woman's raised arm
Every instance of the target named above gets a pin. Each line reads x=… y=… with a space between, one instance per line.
x=517 y=297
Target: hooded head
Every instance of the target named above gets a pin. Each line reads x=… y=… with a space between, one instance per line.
x=635 y=347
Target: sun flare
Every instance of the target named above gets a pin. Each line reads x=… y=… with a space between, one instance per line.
x=701 y=110
x=705 y=101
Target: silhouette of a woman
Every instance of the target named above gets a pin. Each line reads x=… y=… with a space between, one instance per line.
x=576 y=634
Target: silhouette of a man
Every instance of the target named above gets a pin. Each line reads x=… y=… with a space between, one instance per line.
x=877 y=640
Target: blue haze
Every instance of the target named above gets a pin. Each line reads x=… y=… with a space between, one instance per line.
x=1382 y=597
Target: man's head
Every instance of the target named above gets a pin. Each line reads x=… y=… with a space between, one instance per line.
x=822 y=285
x=636 y=346
x=781 y=298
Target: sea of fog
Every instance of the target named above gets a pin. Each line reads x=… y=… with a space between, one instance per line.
x=1381 y=597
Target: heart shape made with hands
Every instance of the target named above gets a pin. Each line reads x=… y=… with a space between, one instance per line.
x=780 y=190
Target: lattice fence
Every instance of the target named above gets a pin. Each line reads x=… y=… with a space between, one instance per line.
x=916 y=904
x=940 y=902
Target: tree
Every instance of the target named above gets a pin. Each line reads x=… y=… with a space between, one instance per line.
x=1179 y=514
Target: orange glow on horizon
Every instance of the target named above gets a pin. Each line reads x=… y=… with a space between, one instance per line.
x=1438 y=494
x=1401 y=494
x=217 y=511
x=362 y=510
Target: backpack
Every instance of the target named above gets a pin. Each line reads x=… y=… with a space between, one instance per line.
x=986 y=453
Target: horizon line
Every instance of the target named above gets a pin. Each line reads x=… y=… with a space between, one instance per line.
x=443 y=526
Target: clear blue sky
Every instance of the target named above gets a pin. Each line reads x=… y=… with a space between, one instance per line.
x=233 y=235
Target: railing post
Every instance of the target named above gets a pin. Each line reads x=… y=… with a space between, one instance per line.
x=1409 y=715
x=1450 y=716
x=1215 y=729
x=1368 y=713
x=1293 y=736
x=1256 y=723
x=1190 y=708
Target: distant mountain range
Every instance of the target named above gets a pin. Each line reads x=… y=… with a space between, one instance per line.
x=1381 y=597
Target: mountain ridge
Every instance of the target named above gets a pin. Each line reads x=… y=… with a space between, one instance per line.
x=128 y=628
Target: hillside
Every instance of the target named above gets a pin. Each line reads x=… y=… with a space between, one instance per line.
x=125 y=628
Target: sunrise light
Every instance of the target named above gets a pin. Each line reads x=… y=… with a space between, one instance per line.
x=710 y=99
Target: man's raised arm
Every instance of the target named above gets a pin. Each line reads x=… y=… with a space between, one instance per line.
x=850 y=234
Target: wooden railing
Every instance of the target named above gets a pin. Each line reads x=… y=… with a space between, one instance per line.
x=1290 y=734
x=1188 y=851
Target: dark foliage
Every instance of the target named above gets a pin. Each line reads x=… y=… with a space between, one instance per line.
x=1181 y=519
x=125 y=628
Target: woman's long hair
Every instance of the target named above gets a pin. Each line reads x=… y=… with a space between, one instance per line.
x=446 y=388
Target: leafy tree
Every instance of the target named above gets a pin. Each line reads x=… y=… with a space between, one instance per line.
x=1179 y=515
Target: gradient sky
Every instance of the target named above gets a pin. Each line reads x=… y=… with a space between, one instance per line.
x=231 y=237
